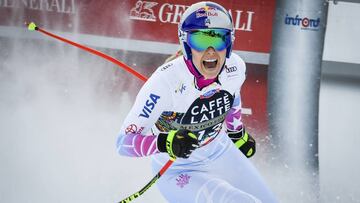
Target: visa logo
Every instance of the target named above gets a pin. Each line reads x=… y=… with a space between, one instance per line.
x=149 y=105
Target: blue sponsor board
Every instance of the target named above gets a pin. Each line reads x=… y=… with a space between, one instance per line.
x=304 y=23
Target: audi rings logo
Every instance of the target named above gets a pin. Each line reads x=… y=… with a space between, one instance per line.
x=230 y=69
x=304 y=22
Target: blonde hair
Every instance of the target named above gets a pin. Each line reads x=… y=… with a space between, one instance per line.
x=174 y=56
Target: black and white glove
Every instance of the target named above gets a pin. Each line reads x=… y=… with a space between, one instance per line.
x=177 y=143
x=243 y=141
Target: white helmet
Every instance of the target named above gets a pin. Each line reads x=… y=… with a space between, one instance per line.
x=205 y=15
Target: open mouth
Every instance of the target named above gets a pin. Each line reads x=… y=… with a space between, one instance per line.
x=210 y=63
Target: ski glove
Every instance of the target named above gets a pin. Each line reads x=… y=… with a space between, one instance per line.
x=243 y=141
x=177 y=143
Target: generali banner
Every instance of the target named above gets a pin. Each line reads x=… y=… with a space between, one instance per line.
x=141 y=20
x=153 y=21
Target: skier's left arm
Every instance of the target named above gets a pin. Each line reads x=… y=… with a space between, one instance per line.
x=236 y=130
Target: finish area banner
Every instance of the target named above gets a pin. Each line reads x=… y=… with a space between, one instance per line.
x=143 y=33
x=139 y=20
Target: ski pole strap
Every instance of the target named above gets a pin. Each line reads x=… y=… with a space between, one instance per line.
x=242 y=140
x=169 y=141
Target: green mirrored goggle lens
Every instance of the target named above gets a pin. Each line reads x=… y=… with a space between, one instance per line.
x=200 y=40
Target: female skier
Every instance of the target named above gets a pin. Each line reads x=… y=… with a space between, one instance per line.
x=190 y=109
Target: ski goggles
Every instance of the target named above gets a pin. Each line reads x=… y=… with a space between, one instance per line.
x=202 y=39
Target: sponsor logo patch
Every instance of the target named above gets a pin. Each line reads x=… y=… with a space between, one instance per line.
x=230 y=69
x=206 y=11
x=204 y=109
x=133 y=129
x=166 y=67
x=209 y=94
x=305 y=23
x=181 y=88
x=149 y=105
x=182 y=180
x=204 y=117
x=143 y=11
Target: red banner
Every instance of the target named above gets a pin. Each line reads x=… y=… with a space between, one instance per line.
x=155 y=21
x=141 y=20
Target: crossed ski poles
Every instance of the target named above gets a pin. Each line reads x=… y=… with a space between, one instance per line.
x=32 y=27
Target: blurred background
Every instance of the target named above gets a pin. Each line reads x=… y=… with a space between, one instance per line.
x=61 y=108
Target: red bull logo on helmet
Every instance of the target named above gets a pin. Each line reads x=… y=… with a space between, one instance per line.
x=206 y=11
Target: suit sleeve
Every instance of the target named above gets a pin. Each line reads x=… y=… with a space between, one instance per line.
x=233 y=118
x=135 y=138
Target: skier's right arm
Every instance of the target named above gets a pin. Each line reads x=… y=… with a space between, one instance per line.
x=134 y=138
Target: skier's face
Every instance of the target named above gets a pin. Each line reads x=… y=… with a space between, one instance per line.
x=209 y=61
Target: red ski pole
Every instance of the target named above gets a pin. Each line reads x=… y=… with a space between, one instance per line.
x=32 y=26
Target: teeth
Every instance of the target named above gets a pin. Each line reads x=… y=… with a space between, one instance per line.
x=210 y=60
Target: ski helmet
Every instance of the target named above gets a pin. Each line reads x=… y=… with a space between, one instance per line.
x=205 y=15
